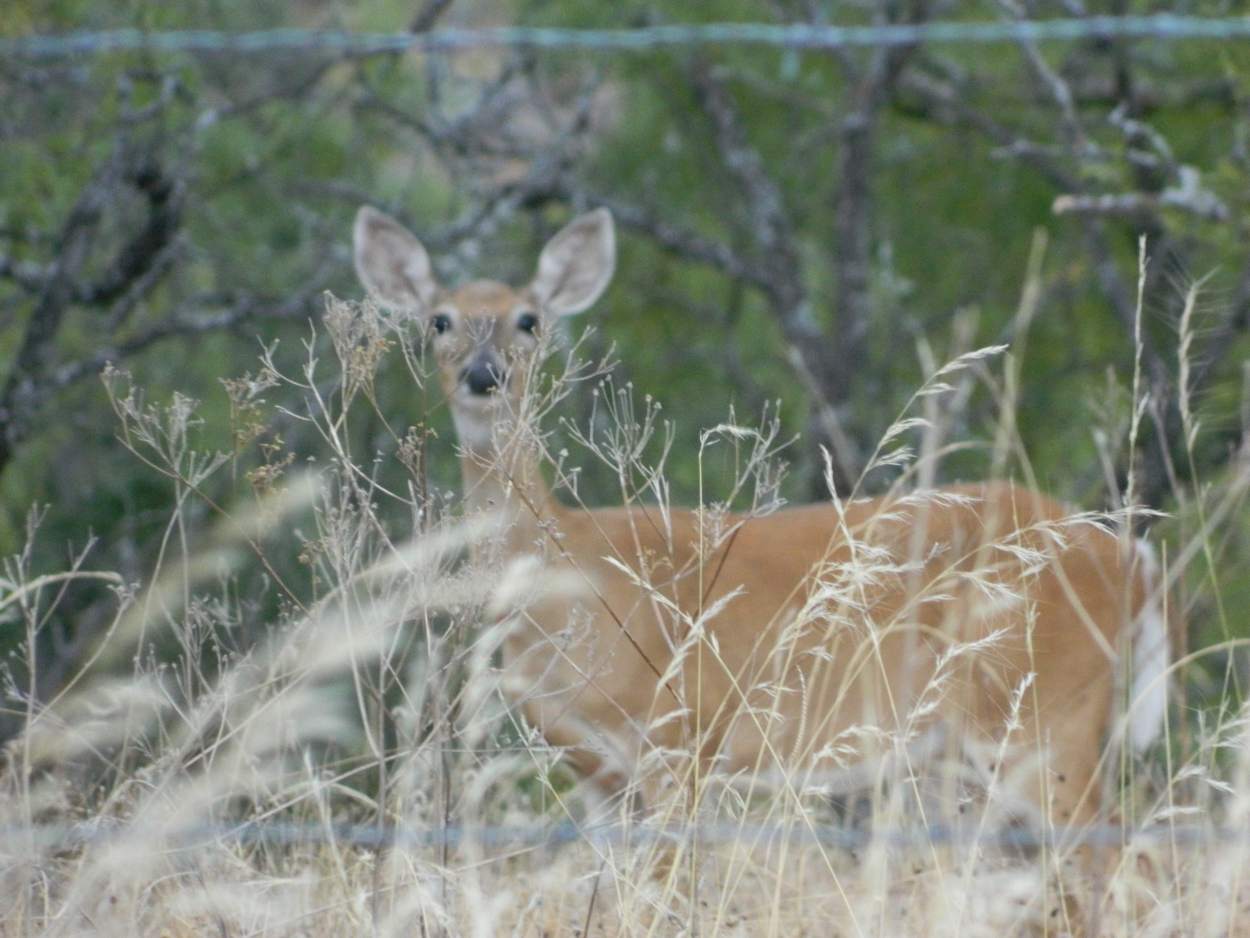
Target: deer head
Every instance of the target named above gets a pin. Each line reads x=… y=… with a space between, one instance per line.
x=485 y=334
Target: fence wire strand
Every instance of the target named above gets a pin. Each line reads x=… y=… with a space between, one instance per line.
x=369 y=836
x=1163 y=26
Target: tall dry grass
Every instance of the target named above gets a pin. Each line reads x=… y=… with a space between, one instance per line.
x=356 y=765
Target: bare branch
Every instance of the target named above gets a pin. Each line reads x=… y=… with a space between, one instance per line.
x=1051 y=80
x=921 y=93
x=29 y=276
x=770 y=227
x=681 y=242
x=780 y=274
x=428 y=15
x=57 y=293
x=1189 y=197
x=165 y=198
x=234 y=312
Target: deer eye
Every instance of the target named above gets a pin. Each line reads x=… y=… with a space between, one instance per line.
x=527 y=322
x=441 y=322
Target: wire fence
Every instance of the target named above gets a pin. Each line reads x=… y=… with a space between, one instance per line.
x=495 y=837
x=1164 y=27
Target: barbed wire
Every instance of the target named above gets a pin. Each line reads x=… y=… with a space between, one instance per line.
x=278 y=833
x=1163 y=26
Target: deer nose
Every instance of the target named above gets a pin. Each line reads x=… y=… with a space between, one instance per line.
x=482 y=376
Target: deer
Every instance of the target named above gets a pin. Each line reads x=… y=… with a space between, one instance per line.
x=759 y=642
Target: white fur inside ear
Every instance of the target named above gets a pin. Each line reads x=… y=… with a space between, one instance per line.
x=390 y=262
x=577 y=264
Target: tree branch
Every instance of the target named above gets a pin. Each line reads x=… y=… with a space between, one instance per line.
x=235 y=311
x=164 y=197
x=55 y=296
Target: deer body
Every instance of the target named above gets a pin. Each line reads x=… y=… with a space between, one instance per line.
x=789 y=677
x=760 y=642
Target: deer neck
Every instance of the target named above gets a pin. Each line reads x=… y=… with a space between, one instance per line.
x=501 y=469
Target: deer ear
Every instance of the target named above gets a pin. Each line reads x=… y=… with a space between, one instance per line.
x=577 y=264
x=390 y=262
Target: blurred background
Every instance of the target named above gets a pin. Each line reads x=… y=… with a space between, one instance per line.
x=818 y=228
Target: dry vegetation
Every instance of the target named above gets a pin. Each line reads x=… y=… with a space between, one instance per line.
x=195 y=779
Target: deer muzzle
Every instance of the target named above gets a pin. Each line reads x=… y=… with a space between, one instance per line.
x=483 y=375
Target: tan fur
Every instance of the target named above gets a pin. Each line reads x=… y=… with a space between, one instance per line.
x=840 y=619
